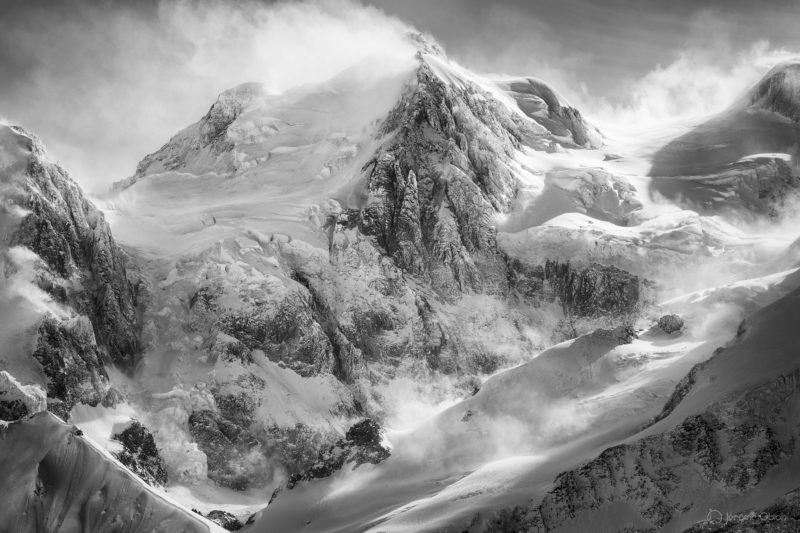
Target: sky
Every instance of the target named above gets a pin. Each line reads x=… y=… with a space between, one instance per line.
x=104 y=82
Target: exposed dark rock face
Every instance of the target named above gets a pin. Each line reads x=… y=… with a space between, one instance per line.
x=432 y=189
x=71 y=360
x=595 y=290
x=74 y=241
x=140 y=454
x=13 y=410
x=297 y=330
x=347 y=358
x=235 y=458
x=241 y=458
x=669 y=324
x=361 y=444
x=225 y=520
x=289 y=334
x=80 y=266
x=592 y=291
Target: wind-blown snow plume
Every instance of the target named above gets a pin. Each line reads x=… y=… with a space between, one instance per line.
x=158 y=68
x=285 y=44
x=713 y=68
x=699 y=82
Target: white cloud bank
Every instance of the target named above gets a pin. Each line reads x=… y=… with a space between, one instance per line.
x=700 y=82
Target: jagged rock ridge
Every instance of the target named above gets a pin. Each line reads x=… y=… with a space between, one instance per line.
x=81 y=268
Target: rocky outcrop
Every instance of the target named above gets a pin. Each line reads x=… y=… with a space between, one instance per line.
x=670 y=324
x=140 y=454
x=590 y=292
x=72 y=363
x=288 y=332
x=235 y=458
x=86 y=268
x=296 y=328
x=361 y=444
x=71 y=300
x=434 y=187
x=225 y=519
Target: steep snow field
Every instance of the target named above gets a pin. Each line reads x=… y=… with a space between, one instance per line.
x=56 y=480
x=294 y=153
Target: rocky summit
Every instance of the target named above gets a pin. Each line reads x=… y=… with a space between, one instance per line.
x=407 y=298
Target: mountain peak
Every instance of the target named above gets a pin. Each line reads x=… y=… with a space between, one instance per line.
x=779 y=90
x=425 y=44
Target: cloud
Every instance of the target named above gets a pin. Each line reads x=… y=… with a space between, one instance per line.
x=707 y=75
x=696 y=84
x=286 y=44
x=104 y=84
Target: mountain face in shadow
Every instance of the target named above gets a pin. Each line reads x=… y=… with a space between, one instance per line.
x=764 y=120
x=740 y=162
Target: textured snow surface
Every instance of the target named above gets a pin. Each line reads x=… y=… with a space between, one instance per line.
x=291 y=155
x=55 y=480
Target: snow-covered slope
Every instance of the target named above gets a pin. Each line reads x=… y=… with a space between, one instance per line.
x=54 y=479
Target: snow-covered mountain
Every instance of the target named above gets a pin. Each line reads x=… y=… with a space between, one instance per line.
x=740 y=161
x=411 y=298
